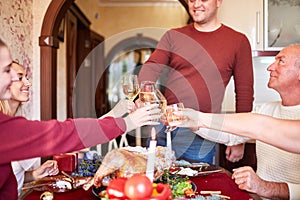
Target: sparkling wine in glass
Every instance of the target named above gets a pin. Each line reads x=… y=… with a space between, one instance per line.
x=150 y=94
x=174 y=120
x=131 y=86
x=171 y=120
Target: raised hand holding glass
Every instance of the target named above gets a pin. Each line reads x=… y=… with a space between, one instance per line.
x=171 y=120
x=131 y=86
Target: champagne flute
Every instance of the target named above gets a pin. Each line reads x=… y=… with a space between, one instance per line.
x=150 y=94
x=171 y=120
x=174 y=120
x=131 y=87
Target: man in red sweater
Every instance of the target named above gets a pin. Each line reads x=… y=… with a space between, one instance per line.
x=200 y=59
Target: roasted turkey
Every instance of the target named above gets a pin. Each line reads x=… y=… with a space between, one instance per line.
x=127 y=161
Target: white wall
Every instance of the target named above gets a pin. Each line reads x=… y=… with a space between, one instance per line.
x=262 y=93
x=38 y=10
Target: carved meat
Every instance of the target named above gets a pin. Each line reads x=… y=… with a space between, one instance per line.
x=58 y=183
x=125 y=162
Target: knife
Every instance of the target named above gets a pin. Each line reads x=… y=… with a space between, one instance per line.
x=209 y=171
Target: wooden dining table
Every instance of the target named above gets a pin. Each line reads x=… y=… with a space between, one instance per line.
x=220 y=181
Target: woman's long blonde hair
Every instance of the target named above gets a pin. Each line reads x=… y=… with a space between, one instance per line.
x=5 y=108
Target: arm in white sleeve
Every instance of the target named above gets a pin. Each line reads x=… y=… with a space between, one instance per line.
x=221 y=137
x=294 y=190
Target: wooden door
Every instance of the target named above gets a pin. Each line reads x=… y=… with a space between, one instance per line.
x=99 y=74
x=71 y=61
x=85 y=67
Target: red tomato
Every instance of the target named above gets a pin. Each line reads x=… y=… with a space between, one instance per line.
x=160 y=187
x=115 y=188
x=138 y=187
x=164 y=192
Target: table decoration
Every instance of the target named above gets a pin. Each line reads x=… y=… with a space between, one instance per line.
x=151 y=156
x=169 y=140
x=67 y=162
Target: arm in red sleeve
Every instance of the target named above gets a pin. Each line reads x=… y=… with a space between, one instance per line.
x=243 y=77
x=22 y=139
x=157 y=62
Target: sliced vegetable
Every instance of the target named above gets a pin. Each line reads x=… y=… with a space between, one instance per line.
x=181 y=187
x=163 y=192
x=115 y=189
x=189 y=193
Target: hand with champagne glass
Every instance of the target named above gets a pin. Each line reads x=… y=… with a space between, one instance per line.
x=171 y=120
x=150 y=94
x=131 y=87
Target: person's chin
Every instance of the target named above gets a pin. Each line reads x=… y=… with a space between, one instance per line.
x=270 y=84
x=22 y=98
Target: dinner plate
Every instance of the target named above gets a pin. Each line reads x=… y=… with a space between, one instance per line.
x=194 y=187
x=99 y=192
x=51 y=184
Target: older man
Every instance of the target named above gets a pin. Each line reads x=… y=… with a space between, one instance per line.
x=277 y=170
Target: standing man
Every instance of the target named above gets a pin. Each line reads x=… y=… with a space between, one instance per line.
x=200 y=59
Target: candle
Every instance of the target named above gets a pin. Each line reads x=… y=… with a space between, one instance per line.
x=151 y=156
x=169 y=141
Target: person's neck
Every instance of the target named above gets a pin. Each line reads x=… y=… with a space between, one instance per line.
x=207 y=27
x=290 y=99
x=14 y=105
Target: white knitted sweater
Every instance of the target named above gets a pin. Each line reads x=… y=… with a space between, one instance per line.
x=273 y=164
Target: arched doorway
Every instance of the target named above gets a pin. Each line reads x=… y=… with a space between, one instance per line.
x=126 y=47
x=49 y=43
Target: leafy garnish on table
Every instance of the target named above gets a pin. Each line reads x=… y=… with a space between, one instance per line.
x=177 y=182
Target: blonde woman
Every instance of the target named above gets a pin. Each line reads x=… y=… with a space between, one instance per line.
x=29 y=169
